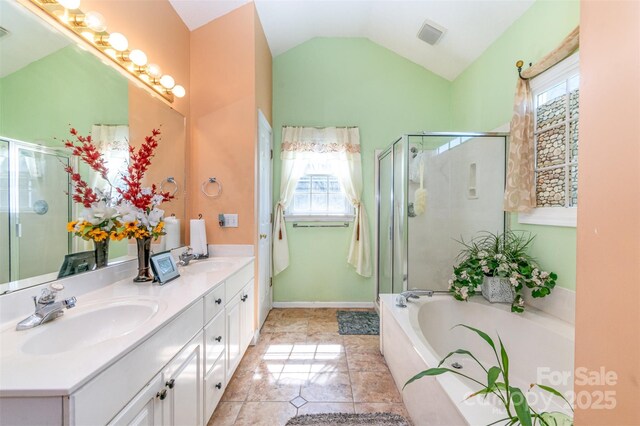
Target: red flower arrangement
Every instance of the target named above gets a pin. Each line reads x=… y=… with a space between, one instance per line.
x=84 y=149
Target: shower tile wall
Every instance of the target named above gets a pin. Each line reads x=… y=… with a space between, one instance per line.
x=452 y=211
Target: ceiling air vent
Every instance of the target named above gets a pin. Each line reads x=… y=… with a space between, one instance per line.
x=431 y=32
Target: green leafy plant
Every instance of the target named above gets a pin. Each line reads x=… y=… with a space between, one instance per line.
x=497 y=383
x=500 y=255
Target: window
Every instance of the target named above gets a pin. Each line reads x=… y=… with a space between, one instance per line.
x=556 y=102
x=318 y=196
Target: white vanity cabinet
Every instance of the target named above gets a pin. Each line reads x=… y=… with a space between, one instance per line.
x=175 y=376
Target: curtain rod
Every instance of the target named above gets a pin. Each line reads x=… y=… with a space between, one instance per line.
x=323 y=127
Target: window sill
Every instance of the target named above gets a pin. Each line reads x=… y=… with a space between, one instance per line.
x=318 y=218
x=550 y=216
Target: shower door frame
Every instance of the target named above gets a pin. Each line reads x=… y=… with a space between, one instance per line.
x=405 y=153
x=15 y=146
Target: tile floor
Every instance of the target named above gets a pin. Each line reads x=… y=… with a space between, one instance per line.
x=302 y=366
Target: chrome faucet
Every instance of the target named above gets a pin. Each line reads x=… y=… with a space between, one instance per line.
x=47 y=309
x=186 y=257
x=405 y=296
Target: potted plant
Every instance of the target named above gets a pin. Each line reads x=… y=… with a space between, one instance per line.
x=500 y=265
x=496 y=383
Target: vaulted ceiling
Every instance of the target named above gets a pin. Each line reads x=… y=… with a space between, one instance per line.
x=470 y=25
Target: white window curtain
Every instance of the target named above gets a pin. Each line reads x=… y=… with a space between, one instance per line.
x=340 y=146
x=113 y=143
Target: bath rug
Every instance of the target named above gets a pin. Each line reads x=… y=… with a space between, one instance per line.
x=344 y=419
x=358 y=322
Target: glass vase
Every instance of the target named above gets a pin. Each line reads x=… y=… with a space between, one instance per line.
x=101 y=250
x=144 y=256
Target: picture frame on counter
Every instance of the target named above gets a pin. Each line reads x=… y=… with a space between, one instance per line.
x=164 y=267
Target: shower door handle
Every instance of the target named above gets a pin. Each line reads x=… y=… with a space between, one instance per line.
x=19 y=230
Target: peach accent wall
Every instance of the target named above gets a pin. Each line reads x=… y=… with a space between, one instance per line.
x=264 y=68
x=154 y=27
x=608 y=271
x=224 y=64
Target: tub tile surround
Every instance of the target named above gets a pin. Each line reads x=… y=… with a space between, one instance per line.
x=307 y=370
x=63 y=373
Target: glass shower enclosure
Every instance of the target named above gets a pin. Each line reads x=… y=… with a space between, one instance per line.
x=432 y=191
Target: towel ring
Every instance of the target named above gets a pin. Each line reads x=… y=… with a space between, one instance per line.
x=172 y=180
x=203 y=187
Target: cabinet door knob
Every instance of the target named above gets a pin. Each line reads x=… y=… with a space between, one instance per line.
x=219 y=385
x=218 y=301
x=162 y=394
x=244 y=298
x=218 y=339
x=171 y=383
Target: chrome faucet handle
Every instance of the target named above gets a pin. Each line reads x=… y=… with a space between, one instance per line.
x=70 y=302
x=188 y=251
x=48 y=295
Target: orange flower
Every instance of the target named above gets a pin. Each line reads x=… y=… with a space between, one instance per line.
x=71 y=226
x=158 y=229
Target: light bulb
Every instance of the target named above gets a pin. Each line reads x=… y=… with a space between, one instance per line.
x=167 y=81
x=154 y=71
x=179 y=91
x=138 y=57
x=69 y=4
x=118 y=42
x=95 y=22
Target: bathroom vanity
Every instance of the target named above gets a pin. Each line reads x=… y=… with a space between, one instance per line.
x=129 y=353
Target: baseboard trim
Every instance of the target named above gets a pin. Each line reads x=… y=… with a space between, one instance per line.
x=284 y=305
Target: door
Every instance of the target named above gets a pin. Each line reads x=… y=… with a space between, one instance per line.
x=183 y=384
x=5 y=274
x=385 y=222
x=247 y=317
x=265 y=154
x=145 y=409
x=233 y=319
x=40 y=210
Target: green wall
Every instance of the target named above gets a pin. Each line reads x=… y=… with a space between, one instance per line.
x=69 y=87
x=482 y=99
x=347 y=82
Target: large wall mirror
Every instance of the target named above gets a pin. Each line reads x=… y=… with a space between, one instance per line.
x=48 y=83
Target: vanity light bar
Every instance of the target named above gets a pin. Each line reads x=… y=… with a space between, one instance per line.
x=91 y=28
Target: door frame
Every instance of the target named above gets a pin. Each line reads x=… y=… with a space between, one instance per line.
x=262 y=122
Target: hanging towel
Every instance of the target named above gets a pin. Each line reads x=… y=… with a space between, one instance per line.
x=420 y=198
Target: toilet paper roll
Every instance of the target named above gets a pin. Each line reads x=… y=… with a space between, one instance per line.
x=172 y=228
x=198 y=235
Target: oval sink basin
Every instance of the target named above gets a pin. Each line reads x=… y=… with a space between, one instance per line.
x=94 y=324
x=211 y=265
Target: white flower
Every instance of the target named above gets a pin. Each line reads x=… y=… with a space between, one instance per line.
x=157 y=199
x=145 y=191
x=521 y=302
x=485 y=269
x=513 y=265
x=536 y=272
x=483 y=262
x=450 y=284
x=128 y=212
x=155 y=216
x=544 y=275
x=514 y=281
x=98 y=213
x=482 y=254
x=464 y=293
x=499 y=256
x=464 y=275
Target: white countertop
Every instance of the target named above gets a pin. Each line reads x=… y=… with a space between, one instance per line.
x=59 y=374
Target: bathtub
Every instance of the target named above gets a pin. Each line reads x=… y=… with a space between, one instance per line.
x=415 y=338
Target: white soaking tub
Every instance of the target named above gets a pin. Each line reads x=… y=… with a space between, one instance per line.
x=417 y=337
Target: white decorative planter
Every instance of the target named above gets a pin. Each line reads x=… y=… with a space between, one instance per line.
x=498 y=290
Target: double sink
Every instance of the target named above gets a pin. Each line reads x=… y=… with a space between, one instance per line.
x=99 y=321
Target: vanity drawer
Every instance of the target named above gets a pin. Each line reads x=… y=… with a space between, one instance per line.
x=238 y=280
x=214 y=340
x=213 y=388
x=214 y=302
